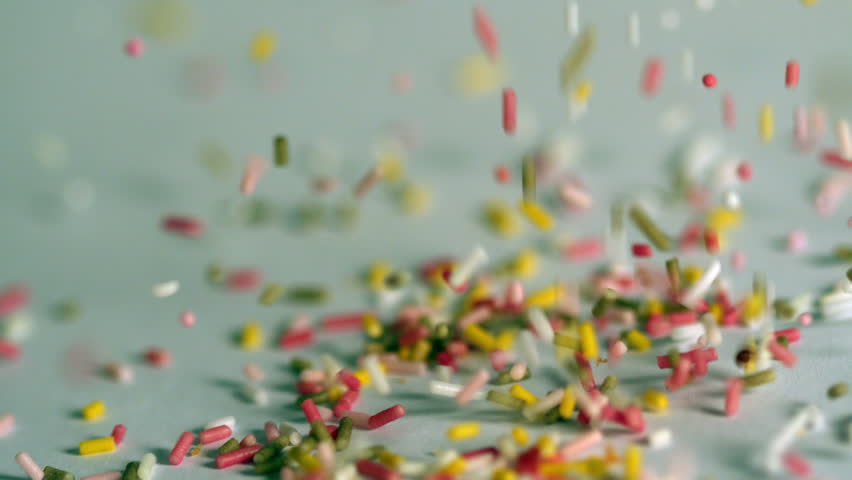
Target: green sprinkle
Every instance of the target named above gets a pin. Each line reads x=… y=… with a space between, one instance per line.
x=837 y=390
x=566 y=340
x=265 y=454
x=271 y=294
x=229 y=446
x=51 y=473
x=603 y=303
x=609 y=383
x=627 y=303
x=131 y=471
x=674 y=357
x=528 y=178
x=69 y=310
x=647 y=226
x=576 y=59
x=397 y=280
x=784 y=308
x=308 y=294
x=783 y=340
x=281 y=151
x=441 y=331
x=759 y=378
x=504 y=399
x=321 y=397
x=311 y=215
x=673 y=271
x=215 y=274
x=273 y=465
x=348 y=215
x=298 y=364
x=843 y=252
x=344 y=432
x=849 y=274
x=552 y=415
x=320 y=432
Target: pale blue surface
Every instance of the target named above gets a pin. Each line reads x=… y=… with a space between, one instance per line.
x=131 y=132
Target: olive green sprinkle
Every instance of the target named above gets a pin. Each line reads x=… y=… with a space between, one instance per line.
x=215 y=274
x=69 y=310
x=229 y=446
x=759 y=378
x=566 y=340
x=51 y=473
x=609 y=383
x=344 y=432
x=131 y=471
x=674 y=358
x=528 y=177
x=308 y=294
x=273 y=465
x=837 y=390
x=320 y=432
x=603 y=303
x=673 y=272
x=504 y=399
x=647 y=226
x=282 y=154
x=271 y=294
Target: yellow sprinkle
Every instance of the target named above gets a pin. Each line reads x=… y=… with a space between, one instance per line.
x=251 y=337
x=463 y=431
x=263 y=46
x=309 y=463
x=547 y=297
x=390 y=459
x=480 y=291
x=363 y=376
x=478 y=75
x=372 y=326
x=334 y=393
x=766 y=124
x=722 y=219
x=655 y=306
x=504 y=340
x=94 y=410
x=520 y=435
x=655 y=401
x=456 y=467
x=518 y=391
x=809 y=3
x=416 y=199
x=405 y=353
x=379 y=270
x=753 y=307
x=638 y=341
x=166 y=20
x=97 y=445
x=479 y=337
x=392 y=162
x=588 y=340
x=502 y=220
x=633 y=463
x=583 y=91
x=525 y=265
x=504 y=474
x=421 y=350
x=546 y=445
x=691 y=274
x=566 y=408
x=536 y=214
x=717 y=310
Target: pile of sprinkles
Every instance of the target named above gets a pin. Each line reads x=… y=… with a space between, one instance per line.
x=471 y=330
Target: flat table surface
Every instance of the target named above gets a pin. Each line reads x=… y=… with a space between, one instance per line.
x=97 y=147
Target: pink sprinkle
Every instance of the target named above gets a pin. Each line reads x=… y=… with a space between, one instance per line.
x=797 y=241
x=312 y=375
x=800 y=128
x=13 y=298
x=343 y=322
x=477 y=315
x=793 y=334
x=271 y=431
x=806 y=319
x=402 y=82
x=796 y=465
x=187 y=319
x=309 y=408
x=652 y=78
x=182 y=446
x=498 y=359
x=782 y=354
x=472 y=387
x=835 y=159
x=7 y=424
x=744 y=171
x=680 y=375
x=514 y=295
x=347 y=378
x=617 y=349
x=9 y=350
x=510 y=116
x=243 y=280
x=732 y=395
x=386 y=416
x=183 y=225
x=103 y=476
x=325 y=413
x=486 y=32
x=242 y=455
x=253 y=372
x=255 y=166
x=584 y=249
x=248 y=440
x=359 y=419
x=738 y=260
x=818 y=123
x=400 y=367
x=580 y=444
x=575 y=197
x=214 y=434
x=134 y=47
x=118 y=433
x=729 y=113
x=158 y=357
x=791 y=77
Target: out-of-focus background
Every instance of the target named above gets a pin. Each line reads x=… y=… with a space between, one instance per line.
x=97 y=146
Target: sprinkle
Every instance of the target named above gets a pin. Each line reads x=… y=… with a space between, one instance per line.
x=759 y=378
x=165 y=289
x=97 y=445
x=12 y=299
x=837 y=390
x=529 y=349
x=652 y=78
x=797 y=465
x=541 y=324
x=580 y=444
x=521 y=393
x=659 y=439
x=9 y=350
x=262 y=46
x=472 y=387
x=709 y=80
x=486 y=32
x=633 y=463
x=633 y=29
x=844 y=138
x=94 y=411
x=641 y=250
x=146 y=466
x=29 y=466
x=766 y=123
x=788 y=434
x=699 y=288
x=655 y=400
x=118 y=433
x=503 y=174
x=729 y=113
x=463 y=431
x=243 y=280
x=791 y=76
x=368 y=181
x=386 y=416
x=182 y=446
x=134 y=47
x=536 y=214
x=376 y=471
x=215 y=434
x=255 y=167
x=51 y=473
x=465 y=269
x=647 y=226
x=510 y=119
x=572 y=17
x=281 y=151
x=588 y=340
x=379 y=379
x=576 y=59
x=243 y=455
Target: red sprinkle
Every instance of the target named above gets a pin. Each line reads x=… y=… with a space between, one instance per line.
x=584 y=249
x=296 y=339
x=183 y=225
x=486 y=32
x=642 y=250
x=744 y=171
x=184 y=442
x=309 y=388
x=214 y=434
x=13 y=298
x=242 y=455
x=243 y=280
x=118 y=433
x=652 y=78
x=9 y=350
x=309 y=408
x=791 y=78
x=158 y=357
x=835 y=159
x=351 y=381
x=732 y=395
x=510 y=115
x=376 y=471
x=503 y=174
x=709 y=80
x=729 y=113
x=711 y=241
x=343 y=322
x=386 y=416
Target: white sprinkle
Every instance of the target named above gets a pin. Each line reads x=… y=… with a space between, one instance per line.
x=469 y=265
x=633 y=29
x=444 y=372
x=17 y=327
x=551 y=400
x=670 y=19
x=844 y=138
x=528 y=349
x=256 y=395
x=542 y=326
x=687 y=334
x=731 y=200
x=659 y=439
x=507 y=447
x=380 y=380
x=330 y=365
x=572 y=17
x=285 y=429
x=414 y=469
x=781 y=442
x=165 y=289
x=146 y=466
x=697 y=291
x=447 y=389
x=231 y=422
x=713 y=333
x=705 y=5
x=346 y=472
x=688 y=64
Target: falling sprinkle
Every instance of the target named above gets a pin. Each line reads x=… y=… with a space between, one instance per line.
x=165 y=289
x=478 y=75
x=263 y=46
